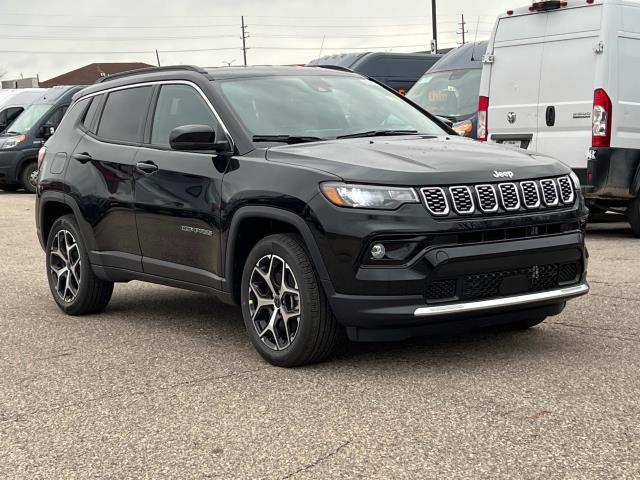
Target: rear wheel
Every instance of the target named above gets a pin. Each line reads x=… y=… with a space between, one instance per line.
x=633 y=213
x=25 y=177
x=74 y=286
x=285 y=311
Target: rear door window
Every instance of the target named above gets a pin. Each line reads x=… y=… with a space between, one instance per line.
x=124 y=115
x=179 y=105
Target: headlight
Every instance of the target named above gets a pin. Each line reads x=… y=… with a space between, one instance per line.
x=368 y=196
x=463 y=128
x=576 y=180
x=13 y=142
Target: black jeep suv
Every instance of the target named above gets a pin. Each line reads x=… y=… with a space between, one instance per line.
x=318 y=200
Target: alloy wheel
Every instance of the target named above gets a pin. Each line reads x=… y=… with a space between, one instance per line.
x=65 y=264
x=274 y=302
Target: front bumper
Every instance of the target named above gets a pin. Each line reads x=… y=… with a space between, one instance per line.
x=9 y=160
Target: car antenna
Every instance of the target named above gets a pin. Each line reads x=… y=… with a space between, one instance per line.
x=475 y=40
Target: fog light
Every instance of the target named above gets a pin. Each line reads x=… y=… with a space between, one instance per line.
x=378 y=251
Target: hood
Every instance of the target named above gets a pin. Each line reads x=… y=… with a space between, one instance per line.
x=417 y=160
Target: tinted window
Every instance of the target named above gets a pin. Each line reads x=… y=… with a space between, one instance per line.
x=124 y=115
x=56 y=117
x=90 y=113
x=178 y=105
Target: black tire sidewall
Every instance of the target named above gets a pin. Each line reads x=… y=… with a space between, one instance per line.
x=68 y=223
x=309 y=304
x=25 y=176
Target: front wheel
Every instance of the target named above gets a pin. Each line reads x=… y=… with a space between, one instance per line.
x=74 y=286
x=28 y=171
x=285 y=311
x=633 y=213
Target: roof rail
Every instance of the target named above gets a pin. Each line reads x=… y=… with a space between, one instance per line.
x=169 y=68
x=334 y=67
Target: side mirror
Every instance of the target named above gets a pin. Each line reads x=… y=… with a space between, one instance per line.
x=197 y=137
x=47 y=131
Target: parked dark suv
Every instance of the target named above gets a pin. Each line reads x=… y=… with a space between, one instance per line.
x=316 y=199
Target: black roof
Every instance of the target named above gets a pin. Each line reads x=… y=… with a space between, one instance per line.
x=464 y=57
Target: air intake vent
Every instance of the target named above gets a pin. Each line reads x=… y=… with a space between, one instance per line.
x=549 y=192
x=436 y=201
x=487 y=199
x=462 y=200
x=530 y=194
x=566 y=190
x=509 y=196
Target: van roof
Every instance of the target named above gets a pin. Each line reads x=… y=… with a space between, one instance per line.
x=55 y=94
x=526 y=10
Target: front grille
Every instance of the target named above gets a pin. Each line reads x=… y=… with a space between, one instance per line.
x=499 y=198
x=462 y=200
x=530 y=194
x=487 y=199
x=509 y=196
x=436 y=201
x=549 y=192
x=442 y=289
x=566 y=190
x=568 y=273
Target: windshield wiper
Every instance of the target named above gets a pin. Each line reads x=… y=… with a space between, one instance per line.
x=379 y=133
x=290 y=139
x=11 y=132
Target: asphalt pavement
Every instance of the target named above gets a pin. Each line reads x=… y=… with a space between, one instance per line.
x=165 y=384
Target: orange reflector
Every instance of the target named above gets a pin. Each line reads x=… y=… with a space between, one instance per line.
x=332 y=195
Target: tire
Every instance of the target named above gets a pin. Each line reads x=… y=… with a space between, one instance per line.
x=91 y=294
x=25 y=177
x=518 y=325
x=313 y=333
x=633 y=214
x=10 y=188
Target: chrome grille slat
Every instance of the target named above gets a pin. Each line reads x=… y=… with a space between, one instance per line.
x=549 y=192
x=530 y=194
x=462 y=200
x=436 y=201
x=566 y=190
x=509 y=196
x=487 y=198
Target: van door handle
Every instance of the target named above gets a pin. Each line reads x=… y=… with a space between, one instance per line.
x=147 y=167
x=551 y=116
x=83 y=157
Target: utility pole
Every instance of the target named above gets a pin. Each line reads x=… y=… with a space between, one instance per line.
x=434 y=25
x=463 y=31
x=245 y=35
x=158 y=57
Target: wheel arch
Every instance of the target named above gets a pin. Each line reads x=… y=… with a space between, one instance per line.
x=53 y=205
x=264 y=221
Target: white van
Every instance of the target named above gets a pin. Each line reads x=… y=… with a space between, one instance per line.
x=563 y=78
x=14 y=102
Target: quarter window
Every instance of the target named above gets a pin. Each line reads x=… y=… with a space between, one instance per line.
x=124 y=115
x=179 y=105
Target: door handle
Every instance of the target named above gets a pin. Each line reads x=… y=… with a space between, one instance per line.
x=551 y=116
x=83 y=157
x=147 y=167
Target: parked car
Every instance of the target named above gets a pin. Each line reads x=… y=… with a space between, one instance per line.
x=317 y=200
x=13 y=103
x=396 y=70
x=560 y=79
x=20 y=143
x=450 y=88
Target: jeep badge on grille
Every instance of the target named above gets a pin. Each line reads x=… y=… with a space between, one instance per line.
x=506 y=174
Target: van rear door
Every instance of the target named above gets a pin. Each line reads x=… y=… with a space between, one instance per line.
x=569 y=63
x=514 y=80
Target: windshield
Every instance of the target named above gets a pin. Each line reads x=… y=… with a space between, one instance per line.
x=320 y=106
x=28 y=118
x=452 y=94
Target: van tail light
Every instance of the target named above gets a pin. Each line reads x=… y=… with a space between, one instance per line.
x=601 y=119
x=41 y=153
x=483 y=119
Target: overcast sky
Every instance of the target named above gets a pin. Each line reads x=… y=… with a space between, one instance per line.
x=50 y=37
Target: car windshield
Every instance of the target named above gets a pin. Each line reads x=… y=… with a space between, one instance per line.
x=28 y=118
x=321 y=107
x=451 y=94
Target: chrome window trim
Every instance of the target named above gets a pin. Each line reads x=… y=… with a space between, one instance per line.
x=167 y=82
x=555 y=187
x=572 y=198
x=515 y=187
x=495 y=196
x=446 y=201
x=524 y=196
x=502 y=302
x=453 y=200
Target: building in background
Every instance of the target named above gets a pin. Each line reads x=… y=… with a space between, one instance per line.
x=90 y=73
x=31 y=82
